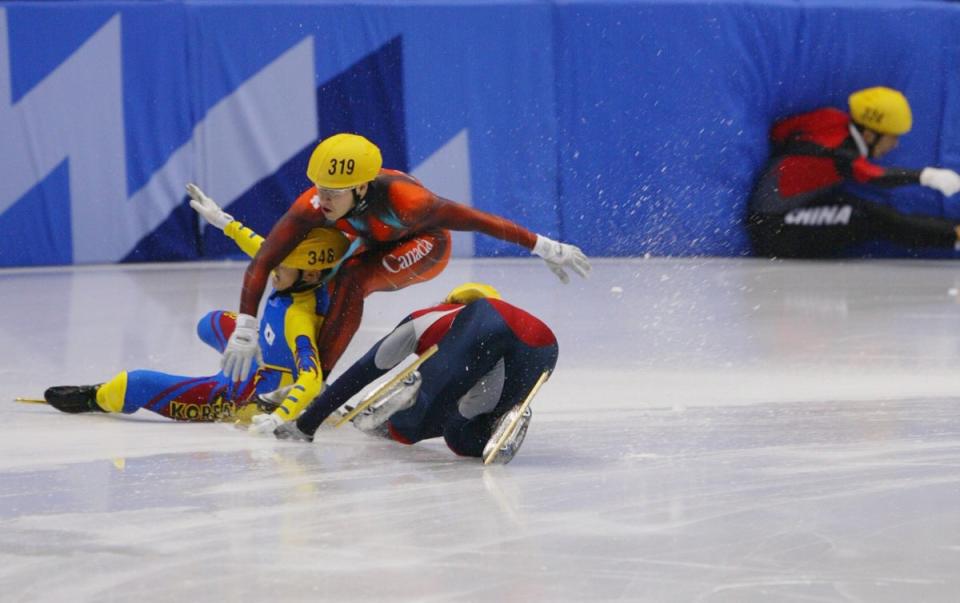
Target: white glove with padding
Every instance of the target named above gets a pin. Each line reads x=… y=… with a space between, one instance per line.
x=264 y=424
x=943 y=180
x=207 y=208
x=560 y=255
x=242 y=347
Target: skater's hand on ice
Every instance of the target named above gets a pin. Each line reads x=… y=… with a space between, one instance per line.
x=562 y=255
x=242 y=349
x=206 y=207
x=945 y=181
x=264 y=424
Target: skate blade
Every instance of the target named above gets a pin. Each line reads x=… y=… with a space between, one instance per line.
x=375 y=396
x=29 y=400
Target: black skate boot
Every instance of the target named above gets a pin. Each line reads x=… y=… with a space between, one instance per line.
x=73 y=399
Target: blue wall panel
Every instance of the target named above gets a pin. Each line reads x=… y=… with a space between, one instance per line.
x=36 y=230
x=665 y=107
x=628 y=127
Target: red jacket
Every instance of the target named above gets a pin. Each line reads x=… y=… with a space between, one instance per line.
x=396 y=206
x=818 y=152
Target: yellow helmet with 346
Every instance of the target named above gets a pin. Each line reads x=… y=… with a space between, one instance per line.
x=881 y=109
x=344 y=161
x=322 y=249
x=469 y=292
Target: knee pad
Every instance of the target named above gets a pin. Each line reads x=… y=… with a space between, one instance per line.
x=215 y=328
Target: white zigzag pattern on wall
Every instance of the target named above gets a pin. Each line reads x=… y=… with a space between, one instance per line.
x=76 y=113
x=447 y=173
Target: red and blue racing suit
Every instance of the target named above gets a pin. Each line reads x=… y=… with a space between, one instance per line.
x=490 y=355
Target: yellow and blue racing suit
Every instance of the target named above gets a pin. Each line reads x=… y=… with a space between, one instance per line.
x=288 y=343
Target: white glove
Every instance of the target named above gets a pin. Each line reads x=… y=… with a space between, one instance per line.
x=242 y=348
x=206 y=207
x=945 y=181
x=264 y=424
x=557 y=255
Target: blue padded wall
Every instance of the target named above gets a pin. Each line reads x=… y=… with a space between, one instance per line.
x=627 y=127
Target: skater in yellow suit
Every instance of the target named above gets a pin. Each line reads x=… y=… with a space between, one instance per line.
x=281 y=382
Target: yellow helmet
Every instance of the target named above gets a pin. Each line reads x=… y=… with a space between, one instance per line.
x=881 y=109
x=344 y=161
x=469 y=292
x=322 y=249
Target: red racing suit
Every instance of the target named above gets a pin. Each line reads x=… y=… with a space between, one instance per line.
x=403 y=238
x=814 y=153
x=799 y=207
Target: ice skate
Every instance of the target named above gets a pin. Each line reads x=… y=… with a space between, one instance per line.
x=271 y=401
x=511 y=445
x=73 y=399
x=380 y=431
x=373 y=421
x=333 y=418
x=290 y=431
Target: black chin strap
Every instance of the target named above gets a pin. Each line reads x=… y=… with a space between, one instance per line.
x=359 y=204
x=299 y=286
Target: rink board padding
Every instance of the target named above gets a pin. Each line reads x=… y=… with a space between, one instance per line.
x=628 y=127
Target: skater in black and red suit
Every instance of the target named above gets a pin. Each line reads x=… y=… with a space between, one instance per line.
x=799 y=207
x=491 y=354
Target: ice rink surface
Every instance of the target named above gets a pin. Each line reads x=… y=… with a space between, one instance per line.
x=716 y=430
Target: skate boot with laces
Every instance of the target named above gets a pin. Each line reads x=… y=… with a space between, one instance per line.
x=511 y=445
x=73 y=399
x=373 y=420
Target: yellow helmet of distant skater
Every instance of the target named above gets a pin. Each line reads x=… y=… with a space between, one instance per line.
x=322 y=249
x=881 y=109
x=344 y=161
x=469 y=292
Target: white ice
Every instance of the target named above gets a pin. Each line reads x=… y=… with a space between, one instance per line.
x=716 y=430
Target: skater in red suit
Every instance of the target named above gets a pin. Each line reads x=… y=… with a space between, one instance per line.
x=491 y=354
x=799 y=207
x=402 y=238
